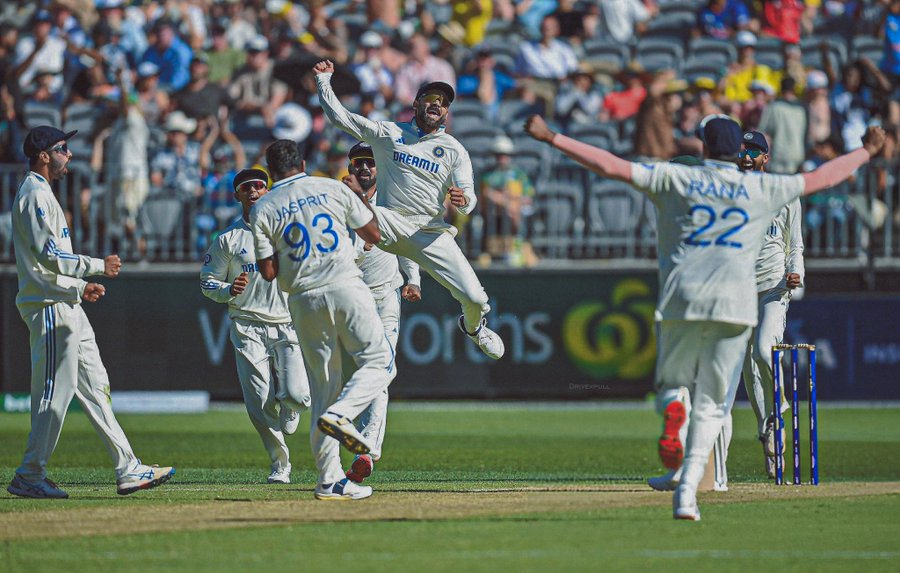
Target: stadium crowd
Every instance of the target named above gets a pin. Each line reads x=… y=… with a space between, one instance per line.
x=172 y=98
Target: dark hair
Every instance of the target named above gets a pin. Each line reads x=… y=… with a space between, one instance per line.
x=787 y=84
x=283 y=156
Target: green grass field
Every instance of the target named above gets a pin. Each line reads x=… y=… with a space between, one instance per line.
x=460 y=488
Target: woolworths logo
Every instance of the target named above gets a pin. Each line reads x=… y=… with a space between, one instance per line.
x=613 y=339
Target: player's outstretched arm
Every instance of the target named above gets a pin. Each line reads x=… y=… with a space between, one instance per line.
x=356 y=125
x=839 y=169
x=597 y=160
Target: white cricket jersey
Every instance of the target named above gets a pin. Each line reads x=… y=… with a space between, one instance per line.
x=782 y=250
x=381 y=270
x=231 y=254
x=48 y=270
x=414 y=169
x=711 y=225
x=304 y=220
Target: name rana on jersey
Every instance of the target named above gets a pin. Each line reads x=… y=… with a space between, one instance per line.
x=418 y=162
x=710 y=189
x=295 y=207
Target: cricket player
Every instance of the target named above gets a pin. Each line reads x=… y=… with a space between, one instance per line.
x=65 y=360
x=420 y=164
x=381 y=273
x=262 y=334
x=712 y=222
x=300 y=232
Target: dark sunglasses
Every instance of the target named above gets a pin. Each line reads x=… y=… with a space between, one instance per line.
x=436 y=98
x=251 y=186
x=61 y=148
x=360 y=161
x=754 y=153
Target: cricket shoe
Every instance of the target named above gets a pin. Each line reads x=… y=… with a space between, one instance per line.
x=768 y=437
x=282 y=475
x=362 y=467
x=343 y=430
x=684 y=505
x=671 y=450
x=344 y=490
x=143 y=477
x=665 y=482
x=46 y=489
x=289 y=418
x=487 y=340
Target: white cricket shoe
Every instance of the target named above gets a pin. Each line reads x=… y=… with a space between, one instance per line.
x=290 y=419
x=343 y=430
x=487 y=340
x=684 y=505
x=666 y=482
x=46 y=489
x=344 y=490
x=282 y=475
x=143 y=477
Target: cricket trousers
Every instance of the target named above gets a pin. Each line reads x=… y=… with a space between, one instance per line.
x=331 y=318
x=65 y=363
x=758 y=377
x=431 y=244
x=260 y=349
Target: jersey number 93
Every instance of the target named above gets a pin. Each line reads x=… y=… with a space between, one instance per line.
x=297 y=236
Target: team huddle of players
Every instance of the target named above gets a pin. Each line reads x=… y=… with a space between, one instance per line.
x=311 y=276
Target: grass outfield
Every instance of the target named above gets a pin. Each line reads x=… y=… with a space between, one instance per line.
x=539 y=488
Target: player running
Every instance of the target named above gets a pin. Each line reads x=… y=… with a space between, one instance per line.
x=381 y=273
x=262 y=334
x=420 y=164
x=65 y=360
x=712 y=222
x=300 y=236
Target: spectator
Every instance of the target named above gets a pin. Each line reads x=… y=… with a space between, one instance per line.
x=178 y=167
x=171 y=55
x=12 y=110
x=721 y=19
x=506 y=203
x=531 y=13
x=473 y=16
x=40 y=51
x=855 y=103
x=654 y=135
x=482 y=79
x=751 y=111
x=107 y=43
x=577 y=102
x=624 y=20
x=576 y=22
x=700 y=102
x=255 y=89
x=67 y=26
x=736 y=84
x=133 y=39
x=223 y=59
x=544 y=63
x=385 y=12
x=784 y=121
x=783 y=19
x=890 y=63
x=241 y=27
x=820 y=120
x=421 y=68
x=201 y=99
x=620 y=105
x=152 y=101
x=374 y=78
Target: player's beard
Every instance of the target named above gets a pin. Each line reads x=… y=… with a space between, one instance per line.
x=428 y=121
x=366 y=182
x=59 y=169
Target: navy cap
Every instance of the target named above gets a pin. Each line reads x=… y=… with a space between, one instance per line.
x=361 y=149
x=756 y=140
x=43 y=137
x=43 y=16
x=723 y=137
x=252 y=174
x=440 y=87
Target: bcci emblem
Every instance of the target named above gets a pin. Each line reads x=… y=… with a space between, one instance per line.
x=438 y=151
x=748 y=136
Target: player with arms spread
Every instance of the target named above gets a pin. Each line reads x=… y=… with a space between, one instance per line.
x=300 y=234
x=420 y=164
x=712 y=221
x=262 y=334
x=65 y=360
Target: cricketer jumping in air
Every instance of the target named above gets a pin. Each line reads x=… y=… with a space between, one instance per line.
x=712 y=223
x=262 y=334
x=420 y=165
x=300 y=232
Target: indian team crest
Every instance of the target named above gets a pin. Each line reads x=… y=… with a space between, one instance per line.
x=438 y=151
x=748 y=136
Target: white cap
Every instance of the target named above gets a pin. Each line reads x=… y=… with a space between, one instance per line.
x=147 y=69
x=177 y=121
x=503 y=145
x=745 y=38
x=257 y=44
x=371 y=39
x=762 y=86
x=816 y=79
x=292 y=122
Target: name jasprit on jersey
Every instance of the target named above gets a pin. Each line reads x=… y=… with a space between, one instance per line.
x=296 y=206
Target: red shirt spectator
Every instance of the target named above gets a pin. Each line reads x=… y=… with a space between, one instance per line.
x=624 y=104
x=782 y=18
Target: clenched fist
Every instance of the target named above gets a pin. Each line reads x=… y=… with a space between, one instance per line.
x=536 y=127
x=873 y=140
x=412 y=293
x=324 y=67
x=457 y=197
x=239 y=284
x=93 y=292
x=112 y=265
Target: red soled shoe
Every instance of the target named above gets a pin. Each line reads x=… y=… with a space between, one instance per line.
x=671 y=450
x=361 y=469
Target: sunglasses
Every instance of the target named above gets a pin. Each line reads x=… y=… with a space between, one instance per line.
x=753 y=153
x=360 y=161
x=436 y=98
x=61 y=148
x=255 y=185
